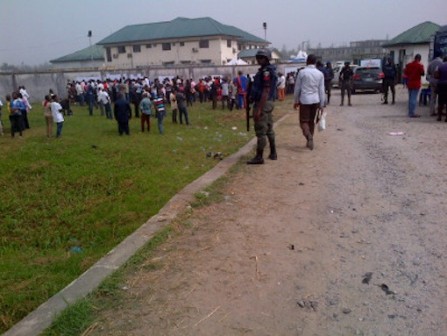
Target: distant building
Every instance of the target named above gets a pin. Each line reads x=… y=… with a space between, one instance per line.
x=181 y=41
x=249 y=56
x=406 y=45
x=89 y=57
x=355 y=52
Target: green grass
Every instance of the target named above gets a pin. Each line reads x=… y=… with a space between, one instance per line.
x=66 y=202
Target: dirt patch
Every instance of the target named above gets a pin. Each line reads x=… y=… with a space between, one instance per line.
x=347 y=239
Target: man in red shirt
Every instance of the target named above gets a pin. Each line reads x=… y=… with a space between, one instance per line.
x=413 y=72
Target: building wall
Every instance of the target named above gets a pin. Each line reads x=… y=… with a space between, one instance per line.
x=404 y=54
x=355 y=52
x=78 y=64
x=181 y=52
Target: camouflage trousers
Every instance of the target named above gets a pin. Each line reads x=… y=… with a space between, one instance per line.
x=264 y=126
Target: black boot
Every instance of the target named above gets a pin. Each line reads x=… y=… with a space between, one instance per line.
x=310 y=142
x=258 y=158
x=273 y=155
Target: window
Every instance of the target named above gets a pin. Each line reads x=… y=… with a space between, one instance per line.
x=185 y=62
x=182 y=44
x=166 y=46
x=136 y=48
x=148 y=46
x=228 y=43
x=168 y=63
x=205 y=61
x=204 y=44
x=121 y=49
x=109 y=55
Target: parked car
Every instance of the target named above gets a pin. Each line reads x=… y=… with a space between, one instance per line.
x=367 y=79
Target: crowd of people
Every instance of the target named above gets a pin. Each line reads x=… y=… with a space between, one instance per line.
x=121 y=99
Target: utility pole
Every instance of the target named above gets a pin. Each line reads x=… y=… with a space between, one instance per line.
x=264 y=25
x=89 y=35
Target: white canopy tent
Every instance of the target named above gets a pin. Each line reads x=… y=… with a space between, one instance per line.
x=237 y=61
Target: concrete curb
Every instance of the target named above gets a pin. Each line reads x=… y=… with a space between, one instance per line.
x=42 y=317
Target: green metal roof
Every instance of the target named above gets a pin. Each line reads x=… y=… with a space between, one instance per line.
x=95 y=52
x=416 y=35
x=177 y=28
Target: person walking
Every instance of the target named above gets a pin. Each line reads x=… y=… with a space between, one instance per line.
x=309 y=97
x=123 y=113
x=346 y=83
x=262 y=94
x=414 y=71
x=389 y=81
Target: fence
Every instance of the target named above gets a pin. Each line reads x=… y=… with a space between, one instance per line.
x=38 y=83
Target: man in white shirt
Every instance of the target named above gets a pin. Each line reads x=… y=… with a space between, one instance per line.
x=281 y=86
x=58 y=117
x=104 y=103
x=309 y=96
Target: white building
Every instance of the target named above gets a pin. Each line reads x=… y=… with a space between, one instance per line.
x=181 y=41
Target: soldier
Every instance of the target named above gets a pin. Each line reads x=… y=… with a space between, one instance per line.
x=346 y=83
x=262 y=95
x=389 y=80
x=328 y=77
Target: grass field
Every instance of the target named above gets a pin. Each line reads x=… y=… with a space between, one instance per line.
x=66 y=202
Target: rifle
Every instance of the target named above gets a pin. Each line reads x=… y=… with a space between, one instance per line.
x=247 y=103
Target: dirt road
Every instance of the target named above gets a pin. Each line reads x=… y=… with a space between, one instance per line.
x=348 y=239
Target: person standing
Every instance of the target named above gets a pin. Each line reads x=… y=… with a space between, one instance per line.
x=15 y=115
x=432 y=67
x=441 y=76
x=90 y=97
x=262 y=94
x=174 y=105
x=231 y=95
x=1 y=122
x=160 y=112
x=328 y=77
x=281 y=87
x=241 y=83
x=309 y=97
x=48 y=115
x=146 y=111
x=346 y=83
x=58 y=117
x=389 y=81
x=104 y=103
x=18 y=108
x=225 y=93
x=414 y=71
x=123 y=113
x=182 y=106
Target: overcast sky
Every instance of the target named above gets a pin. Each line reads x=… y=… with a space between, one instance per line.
x=34 y=32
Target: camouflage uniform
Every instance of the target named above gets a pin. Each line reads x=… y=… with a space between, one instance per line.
x=265 y=78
